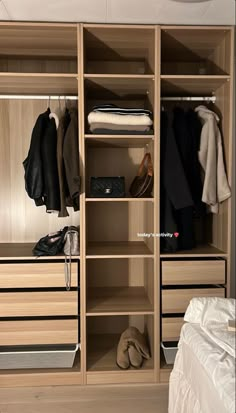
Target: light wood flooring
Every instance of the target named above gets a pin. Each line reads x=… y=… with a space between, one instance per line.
x=74 y=399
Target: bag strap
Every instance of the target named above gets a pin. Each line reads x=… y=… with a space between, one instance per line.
x=146 y=160
x=68 y=263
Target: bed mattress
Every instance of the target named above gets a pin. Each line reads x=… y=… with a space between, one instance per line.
x=203 y=378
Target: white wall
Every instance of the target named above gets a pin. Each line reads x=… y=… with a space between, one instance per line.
x=120 y=11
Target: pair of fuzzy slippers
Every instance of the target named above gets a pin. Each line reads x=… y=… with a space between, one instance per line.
x=132 y=349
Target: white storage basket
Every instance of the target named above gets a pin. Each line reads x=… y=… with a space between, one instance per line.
x=38 y=359
x=170 y=350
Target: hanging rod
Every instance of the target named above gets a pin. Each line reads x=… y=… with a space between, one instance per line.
x=190 y=98
x=38 y=97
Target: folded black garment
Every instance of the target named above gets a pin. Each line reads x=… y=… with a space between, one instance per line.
x=109 y=108
x=101 y=131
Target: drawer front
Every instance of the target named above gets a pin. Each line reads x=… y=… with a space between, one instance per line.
x=177 y=301
x=33 y=332
x=193 y=272
x=29 y=304
x=171 y=327
x=36 y=275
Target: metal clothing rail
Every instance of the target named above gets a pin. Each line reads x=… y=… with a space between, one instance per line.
x=190 y=98
x=38 y=97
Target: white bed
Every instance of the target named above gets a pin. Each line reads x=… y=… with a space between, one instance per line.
x=203 y=377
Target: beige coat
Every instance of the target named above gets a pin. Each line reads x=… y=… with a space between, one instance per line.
x=215 y=184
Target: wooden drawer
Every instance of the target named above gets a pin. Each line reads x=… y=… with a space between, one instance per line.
x=32 y=332
x=36 y=275
x=177 y=301
x=171 y=328
x=28 y=304
x=193 y=272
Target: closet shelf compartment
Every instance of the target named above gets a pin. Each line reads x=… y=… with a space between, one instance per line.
x=119 y=49
x=41 y=83
x=23 y=251
x=187 y=50
x=101 y=355
x=38 y=39
x=200 y=251
x=118 y=250
x=185 y=85
x=119 y=141
x=42 y=48
x=118 y=300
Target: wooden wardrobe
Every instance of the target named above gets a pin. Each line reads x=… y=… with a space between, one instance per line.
x=120 y=278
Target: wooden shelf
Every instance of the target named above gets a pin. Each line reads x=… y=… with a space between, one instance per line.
x=42 y=83
x=198 y=85
x=118 y=250
x=101 y=354
x=23 y=251
x=200 y=251
x=119 y=199
x=116 y=76
x=119 y=141
x=118 y=301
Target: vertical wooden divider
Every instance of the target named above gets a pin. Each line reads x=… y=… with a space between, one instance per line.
x=230 y=143
x=157 y=204
x=80 y=48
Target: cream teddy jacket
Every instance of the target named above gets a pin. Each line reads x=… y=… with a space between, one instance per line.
x=215 y=184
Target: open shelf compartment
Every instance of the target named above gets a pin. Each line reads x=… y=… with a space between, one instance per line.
x=38 y=48
x=124 y=92
x=190 y=51
x=103 y=334
x=116 y=286
x=116 y=228
x=119 y=49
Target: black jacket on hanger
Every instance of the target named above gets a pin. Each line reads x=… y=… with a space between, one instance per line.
x=34 y=181
x=51 y=193
x=41 y=174
x=175 y=190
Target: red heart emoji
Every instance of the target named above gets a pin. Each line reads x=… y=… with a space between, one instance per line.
x=176 y=234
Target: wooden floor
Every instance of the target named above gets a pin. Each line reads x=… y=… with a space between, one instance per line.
x=74 y=399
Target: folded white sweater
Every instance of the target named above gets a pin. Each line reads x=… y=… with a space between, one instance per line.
x=119 y=119
x=215 y=184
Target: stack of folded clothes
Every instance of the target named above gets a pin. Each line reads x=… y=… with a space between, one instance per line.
x=111 y=119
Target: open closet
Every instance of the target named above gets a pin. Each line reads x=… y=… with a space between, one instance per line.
x=122 y=276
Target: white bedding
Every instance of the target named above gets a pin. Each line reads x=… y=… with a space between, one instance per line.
x=203 y=378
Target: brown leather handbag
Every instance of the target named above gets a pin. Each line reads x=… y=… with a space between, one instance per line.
x=142 y=184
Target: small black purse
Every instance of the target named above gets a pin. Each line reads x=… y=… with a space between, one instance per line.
x=51 y=244
x=107 y=187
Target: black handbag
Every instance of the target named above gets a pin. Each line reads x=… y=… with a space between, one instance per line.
x=107 y=187
x=142 y=185
x=51 y=244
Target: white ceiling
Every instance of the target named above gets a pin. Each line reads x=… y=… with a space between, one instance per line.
x=120 y=11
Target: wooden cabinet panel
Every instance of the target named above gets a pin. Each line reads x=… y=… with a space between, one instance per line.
x=193 y=272
x=171 y=328
x=32 y=332
x=28 y=304
x=36 y=275
x=177 y=301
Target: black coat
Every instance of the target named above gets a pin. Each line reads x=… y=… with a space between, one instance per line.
x=41 y=175
x=180 y=178
x=34 y=182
